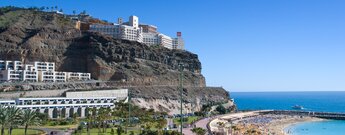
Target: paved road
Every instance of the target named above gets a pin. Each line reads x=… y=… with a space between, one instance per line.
x=201 y=123
x=57 y=131
x=231 y=117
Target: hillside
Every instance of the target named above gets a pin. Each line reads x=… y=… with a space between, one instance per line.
x=29 y=35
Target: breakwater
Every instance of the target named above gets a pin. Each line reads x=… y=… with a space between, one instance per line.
x=324 y=115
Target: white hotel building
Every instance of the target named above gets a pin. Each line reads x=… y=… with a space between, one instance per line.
x=37 y=72
x=74 y=103
x=142 y=33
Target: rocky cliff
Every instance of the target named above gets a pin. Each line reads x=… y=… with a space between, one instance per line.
x=30 y=35
x=39 y=36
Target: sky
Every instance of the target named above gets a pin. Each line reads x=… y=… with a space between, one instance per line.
x=244 y=45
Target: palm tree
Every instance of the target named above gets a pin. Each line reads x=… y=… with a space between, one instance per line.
x=89 y=118
x=2 y=119
x=12 y=117
x=29 y=118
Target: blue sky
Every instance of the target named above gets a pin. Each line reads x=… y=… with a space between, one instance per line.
x=244 y=45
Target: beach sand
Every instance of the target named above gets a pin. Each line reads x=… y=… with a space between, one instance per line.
x=271 y=124
x=257 y=123
x=280 y=126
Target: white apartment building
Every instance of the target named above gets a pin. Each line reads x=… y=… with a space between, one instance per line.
x=178 y=43
x=62 y=76
x=2 y=65
x=118 y=31
x=7 y=102
x=11 y=75
x=37 y=72
x=143 y=33
x=12 y=65
x=46 y=76
x=44 y=66
x=165 y=41
x=74 y=76
x=30 y=75
x=151 y=39
x=112 y=30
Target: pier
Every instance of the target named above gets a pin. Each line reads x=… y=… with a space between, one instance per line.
x=324 y=115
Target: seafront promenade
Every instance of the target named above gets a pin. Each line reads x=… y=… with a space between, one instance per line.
x=220 y=123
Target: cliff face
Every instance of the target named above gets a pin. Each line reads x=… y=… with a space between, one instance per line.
x=159 y=98
x=39 y=36
x=150 y=73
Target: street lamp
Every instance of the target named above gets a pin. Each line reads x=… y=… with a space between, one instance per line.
x=129 y=111
x=181 y=94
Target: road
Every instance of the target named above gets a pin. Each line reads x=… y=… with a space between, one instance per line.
x=201 y=123
x=57 y=131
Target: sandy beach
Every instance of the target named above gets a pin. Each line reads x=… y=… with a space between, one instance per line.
x=273 y=124
x=279 y=127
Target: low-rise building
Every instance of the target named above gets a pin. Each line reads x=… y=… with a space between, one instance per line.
x=11 y=75
x=30 y=76
x=61 y=107
x=74 y=76
x=2 y=65
x=12 y=65
x=75 y=103
x=61 y=76
x=37 y=72
x=46 y=76
x=7 y=102
x=44 y=66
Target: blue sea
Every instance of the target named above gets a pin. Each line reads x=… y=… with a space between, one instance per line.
x=311 y=101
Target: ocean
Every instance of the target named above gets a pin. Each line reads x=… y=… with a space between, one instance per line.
x=311 y=101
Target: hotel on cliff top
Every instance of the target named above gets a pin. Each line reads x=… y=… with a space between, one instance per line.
x=134 y=31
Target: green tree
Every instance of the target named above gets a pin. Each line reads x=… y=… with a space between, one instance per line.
x=199 y=131
x=160 y=124
x=119 y=130
x=12 y=117
x=112 y=131
x=221 y=109
x=43 y=117
x=89 y=119
x=75 y=117
x=29 y=118
x=2 y=119
x=103 y=115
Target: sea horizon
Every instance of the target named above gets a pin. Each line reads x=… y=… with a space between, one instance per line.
x=310 y=100
x=318 y=101
x=284 y=91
